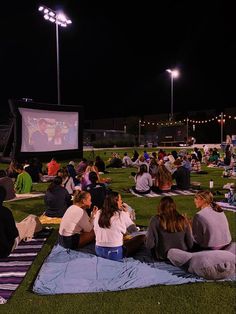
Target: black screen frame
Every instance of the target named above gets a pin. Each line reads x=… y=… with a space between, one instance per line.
x=16 y=153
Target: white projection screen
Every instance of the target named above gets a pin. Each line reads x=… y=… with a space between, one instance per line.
x=44 y=130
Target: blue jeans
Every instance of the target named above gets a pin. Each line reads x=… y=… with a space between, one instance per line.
x=113 y=253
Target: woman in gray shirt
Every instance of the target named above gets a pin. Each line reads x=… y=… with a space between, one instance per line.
x=210 y=225
x=168 y=229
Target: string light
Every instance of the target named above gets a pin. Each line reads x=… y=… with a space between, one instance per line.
x=171 y=123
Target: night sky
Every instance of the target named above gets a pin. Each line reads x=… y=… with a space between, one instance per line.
x=115 y=54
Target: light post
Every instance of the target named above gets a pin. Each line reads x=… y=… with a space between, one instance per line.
x=221 y=121
x=139 y=132
x=173 y=74
x=59 y=19
x=187 y=131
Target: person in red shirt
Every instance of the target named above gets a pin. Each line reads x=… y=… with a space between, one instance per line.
x=53 y=166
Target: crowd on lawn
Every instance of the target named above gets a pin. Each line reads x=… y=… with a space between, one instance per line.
x=91 y=211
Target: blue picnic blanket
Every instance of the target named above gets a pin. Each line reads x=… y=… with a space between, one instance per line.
x=68 y=271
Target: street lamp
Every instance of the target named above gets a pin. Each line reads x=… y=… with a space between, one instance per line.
x=139 y=132
x=59 y=19
x=221 y=121
x=173 y=74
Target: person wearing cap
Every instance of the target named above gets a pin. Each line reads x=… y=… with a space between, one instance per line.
x=181 y=176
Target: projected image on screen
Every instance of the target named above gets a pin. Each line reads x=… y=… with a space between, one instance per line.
x=44 y=130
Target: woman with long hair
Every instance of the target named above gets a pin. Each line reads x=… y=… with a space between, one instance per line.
x=210 y=225
x=111 y=223
x=153 y=167
x=76 y=227
x=168 y=229
x=163 y=178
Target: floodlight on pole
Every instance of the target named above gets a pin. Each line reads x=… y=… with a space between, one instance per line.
x=173 y=74
x=60 y=19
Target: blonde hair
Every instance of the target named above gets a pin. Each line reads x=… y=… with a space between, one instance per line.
x=163 y=175
x=79 y=196
x=207 y=196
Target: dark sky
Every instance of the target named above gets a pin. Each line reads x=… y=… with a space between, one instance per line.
x=115 y=54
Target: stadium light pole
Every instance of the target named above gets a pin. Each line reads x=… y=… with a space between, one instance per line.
x=60 y=19
x=173 y=74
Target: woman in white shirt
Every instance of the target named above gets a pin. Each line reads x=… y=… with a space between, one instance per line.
x=143 y=181
x=110 y=225
x=76 y=228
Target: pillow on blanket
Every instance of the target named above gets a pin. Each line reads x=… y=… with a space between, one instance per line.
x=216 y=264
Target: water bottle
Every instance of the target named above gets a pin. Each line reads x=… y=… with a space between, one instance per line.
x=211 y=184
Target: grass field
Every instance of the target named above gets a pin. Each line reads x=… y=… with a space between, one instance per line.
x=214 y=297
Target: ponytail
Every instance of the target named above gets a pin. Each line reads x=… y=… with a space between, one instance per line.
x=216 y=207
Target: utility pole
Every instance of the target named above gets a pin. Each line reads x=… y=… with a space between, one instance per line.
x=221 y=127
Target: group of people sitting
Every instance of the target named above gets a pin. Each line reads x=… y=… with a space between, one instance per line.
x=94 y=213
x=18 y=178
x=157 y=175
x=21 y=185
x=111 y=221
x=107 y=225
x=61 y=191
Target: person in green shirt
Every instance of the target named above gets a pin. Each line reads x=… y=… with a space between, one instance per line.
x=23 y=182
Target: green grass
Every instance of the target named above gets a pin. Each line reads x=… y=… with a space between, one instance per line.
x=215 y=297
